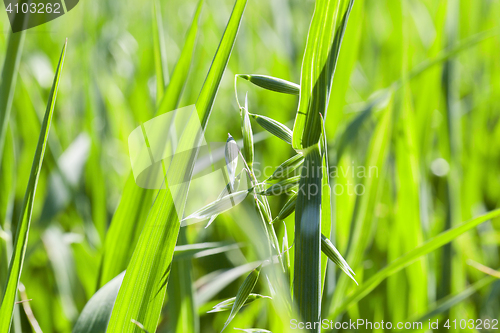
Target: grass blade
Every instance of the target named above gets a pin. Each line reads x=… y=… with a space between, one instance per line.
x=365 y=214
x=129 y=217
x=320 y=59
x=334 y=255
x=95 y=315
x=143 y=290
x=318 y=66
x=22 y=232
x=182 y=313
x=178 y=80
x=448 y=302
x=307 y=265
x=160 y=52
x=411 y=257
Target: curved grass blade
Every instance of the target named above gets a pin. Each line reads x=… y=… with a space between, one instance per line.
x=95 y=315
x=243 y=294
x=272 y=83
x=211 y=284
x=135 y=203
x=334 y=255
x=142 y=293
x=409 y=258
x=21 y=241
x=274 y=127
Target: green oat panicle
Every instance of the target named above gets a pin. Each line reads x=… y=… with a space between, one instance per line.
x=274 y=127
x=272 y=83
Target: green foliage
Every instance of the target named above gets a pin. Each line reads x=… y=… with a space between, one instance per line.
x=396 y=105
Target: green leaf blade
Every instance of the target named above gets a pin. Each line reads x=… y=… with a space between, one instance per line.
x=307 y=267
x=320 y=59
x=21 y=241
x=142 y=293
x=135 y=203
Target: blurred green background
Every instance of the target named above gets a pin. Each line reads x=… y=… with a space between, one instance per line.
x=441 y=164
